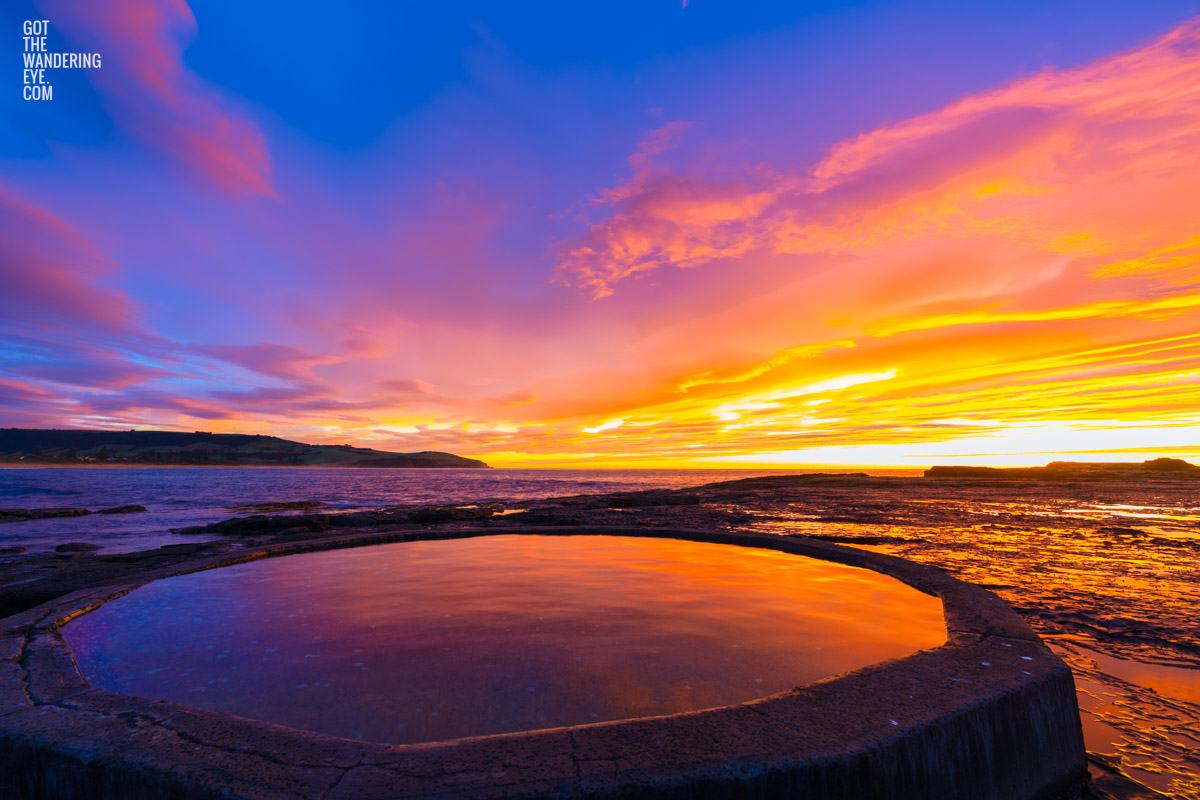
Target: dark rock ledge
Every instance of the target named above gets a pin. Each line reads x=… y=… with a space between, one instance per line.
x=26 y=514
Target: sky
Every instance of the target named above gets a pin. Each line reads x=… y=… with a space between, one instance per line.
x=697 y=234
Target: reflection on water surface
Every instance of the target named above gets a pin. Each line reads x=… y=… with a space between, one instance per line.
x=425 y=641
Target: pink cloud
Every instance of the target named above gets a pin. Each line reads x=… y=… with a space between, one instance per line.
x=155 y=99
x=145 y=406
x=1148 y=87
x=273 y=360
x=406 y=386
x=259 y=398
x=661 y=220
x=973 y=167
x=104 y=371
x=657 y=142
x=51 y=278
x=18 y=394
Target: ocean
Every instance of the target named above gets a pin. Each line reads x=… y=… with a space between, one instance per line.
x=178 y=497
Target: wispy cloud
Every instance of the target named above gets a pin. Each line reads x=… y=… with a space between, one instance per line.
x=1045 y=162
x=156 y=99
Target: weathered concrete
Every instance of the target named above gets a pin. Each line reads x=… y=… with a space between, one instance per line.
x=990 y=715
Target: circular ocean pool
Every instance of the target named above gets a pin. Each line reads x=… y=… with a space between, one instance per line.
x=433 y=640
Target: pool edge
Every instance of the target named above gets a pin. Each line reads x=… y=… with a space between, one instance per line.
x=990 y=714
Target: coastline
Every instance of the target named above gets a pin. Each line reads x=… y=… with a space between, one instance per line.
x=1027 y=540
x=52 y=465
x=899 y=472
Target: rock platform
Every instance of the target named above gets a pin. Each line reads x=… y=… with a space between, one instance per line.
x=990 y=715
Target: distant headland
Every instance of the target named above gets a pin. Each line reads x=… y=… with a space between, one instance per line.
x=175 y=448
x=1076 y=471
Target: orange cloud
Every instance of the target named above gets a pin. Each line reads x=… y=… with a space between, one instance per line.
x=1044 y=162
x=1024 y=259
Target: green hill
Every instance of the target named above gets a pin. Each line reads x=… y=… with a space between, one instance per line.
x=31 y=445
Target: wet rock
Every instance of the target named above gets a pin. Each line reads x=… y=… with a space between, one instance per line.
x=648 y=499
x=680 y=500
x=869 y=540
x=1118 y=531
x=50 y=513
x=257 y=524
x=296 y=505
x=542 y=519
x=132 y=558
x=436 y=514
x=428 y=515
x=294 y=534
x=620 y=502
x=185 y=549
x=123 y=510
x=23 y=514
x=78 y=547
x=357 y=520
x=482 y=512
x=1107 y=781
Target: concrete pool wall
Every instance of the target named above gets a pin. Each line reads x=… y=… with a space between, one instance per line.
x=990 y=714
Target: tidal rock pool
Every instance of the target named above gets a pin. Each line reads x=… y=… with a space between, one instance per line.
x=432 y=640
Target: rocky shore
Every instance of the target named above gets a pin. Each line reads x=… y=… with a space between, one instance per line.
x=25 y=514
x=1065 y=554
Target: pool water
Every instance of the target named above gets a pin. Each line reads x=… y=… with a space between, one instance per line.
x=434 y=640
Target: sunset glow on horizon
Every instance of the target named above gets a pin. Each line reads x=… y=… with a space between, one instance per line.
x=735 y=245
